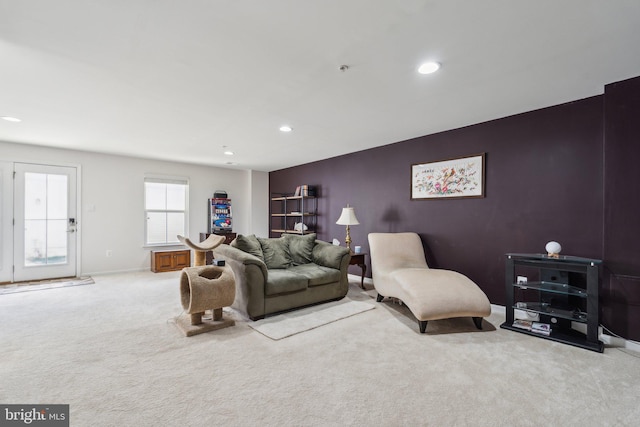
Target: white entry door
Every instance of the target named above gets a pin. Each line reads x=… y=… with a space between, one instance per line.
x=6 y=222
x=45 y=222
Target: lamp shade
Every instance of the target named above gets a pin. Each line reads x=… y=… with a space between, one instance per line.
x=348 y=217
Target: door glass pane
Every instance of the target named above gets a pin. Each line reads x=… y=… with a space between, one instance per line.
x=57 y=197
x=35 y=195
x=57 y=241
x=35 y=234
x=45 y=206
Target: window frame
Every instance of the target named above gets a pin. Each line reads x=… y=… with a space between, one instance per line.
x=162 y=179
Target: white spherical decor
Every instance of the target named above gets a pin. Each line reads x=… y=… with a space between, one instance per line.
x=553 y=248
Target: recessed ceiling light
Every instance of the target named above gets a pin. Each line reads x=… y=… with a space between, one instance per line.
x=228 y=153
x=286 y=128
x=10 y=119
x=429 y=67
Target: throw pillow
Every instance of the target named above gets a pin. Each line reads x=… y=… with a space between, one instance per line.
x=248 y=244
x=301 y=248
x=276 y=252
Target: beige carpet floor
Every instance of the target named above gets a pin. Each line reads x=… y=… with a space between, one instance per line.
x=112 y=352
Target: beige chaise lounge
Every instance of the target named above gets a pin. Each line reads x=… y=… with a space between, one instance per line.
x=399 y=270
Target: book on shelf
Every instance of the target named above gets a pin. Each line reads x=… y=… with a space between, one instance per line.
x=522 y=324
x=297 y=193
x=541 y=328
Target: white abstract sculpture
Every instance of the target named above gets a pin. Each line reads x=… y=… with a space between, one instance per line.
x=553 y=249
x=300 y=227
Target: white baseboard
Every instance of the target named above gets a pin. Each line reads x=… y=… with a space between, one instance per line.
x=619 y=342
x=105 y=273
x=498 y=309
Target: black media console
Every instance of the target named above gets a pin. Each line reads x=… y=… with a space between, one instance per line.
x=565 y=292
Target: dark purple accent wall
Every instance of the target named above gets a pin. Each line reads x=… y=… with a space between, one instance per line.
x=544 y=181
x=621 y=293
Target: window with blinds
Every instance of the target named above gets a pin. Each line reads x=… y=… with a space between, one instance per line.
x=165 y=202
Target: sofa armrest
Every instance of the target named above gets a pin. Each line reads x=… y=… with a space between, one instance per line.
x=251 y=277
x=332 y=256
x=329 y=255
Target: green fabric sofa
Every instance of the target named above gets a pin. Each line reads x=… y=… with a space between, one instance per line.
x=279 y=274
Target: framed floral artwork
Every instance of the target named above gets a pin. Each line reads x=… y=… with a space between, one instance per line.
x=448 y=179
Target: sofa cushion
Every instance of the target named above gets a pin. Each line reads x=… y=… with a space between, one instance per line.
x=248 y=244
x=281 y=281
x=301 y=247
x=317 y=274
x=276 y=252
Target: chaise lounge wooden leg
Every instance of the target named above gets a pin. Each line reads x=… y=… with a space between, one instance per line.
x=478 y=322
x=379 y=298
x=423 y=326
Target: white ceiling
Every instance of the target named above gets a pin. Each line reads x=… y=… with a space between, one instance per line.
x=178 y=80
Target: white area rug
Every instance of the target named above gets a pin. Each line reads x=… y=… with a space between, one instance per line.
x=294 y=322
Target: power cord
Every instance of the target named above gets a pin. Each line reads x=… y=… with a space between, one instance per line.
x=622 y=349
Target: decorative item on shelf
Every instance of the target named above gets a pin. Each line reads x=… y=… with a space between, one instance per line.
x=553 y=249
x=300 y=227
x=305 y=191
x=348 y=218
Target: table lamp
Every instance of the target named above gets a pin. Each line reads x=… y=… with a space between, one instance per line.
x=348 y=217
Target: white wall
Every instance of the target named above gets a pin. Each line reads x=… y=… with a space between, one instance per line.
x=112 y=209
x=259 y=196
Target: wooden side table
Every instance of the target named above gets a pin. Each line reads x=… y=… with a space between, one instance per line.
x=359 y=260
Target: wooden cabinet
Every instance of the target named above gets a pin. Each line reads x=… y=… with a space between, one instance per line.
x=170 y=260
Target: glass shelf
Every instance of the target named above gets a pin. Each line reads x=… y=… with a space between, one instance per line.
x=553 y=287
x=559 y=259
x=542 y=308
